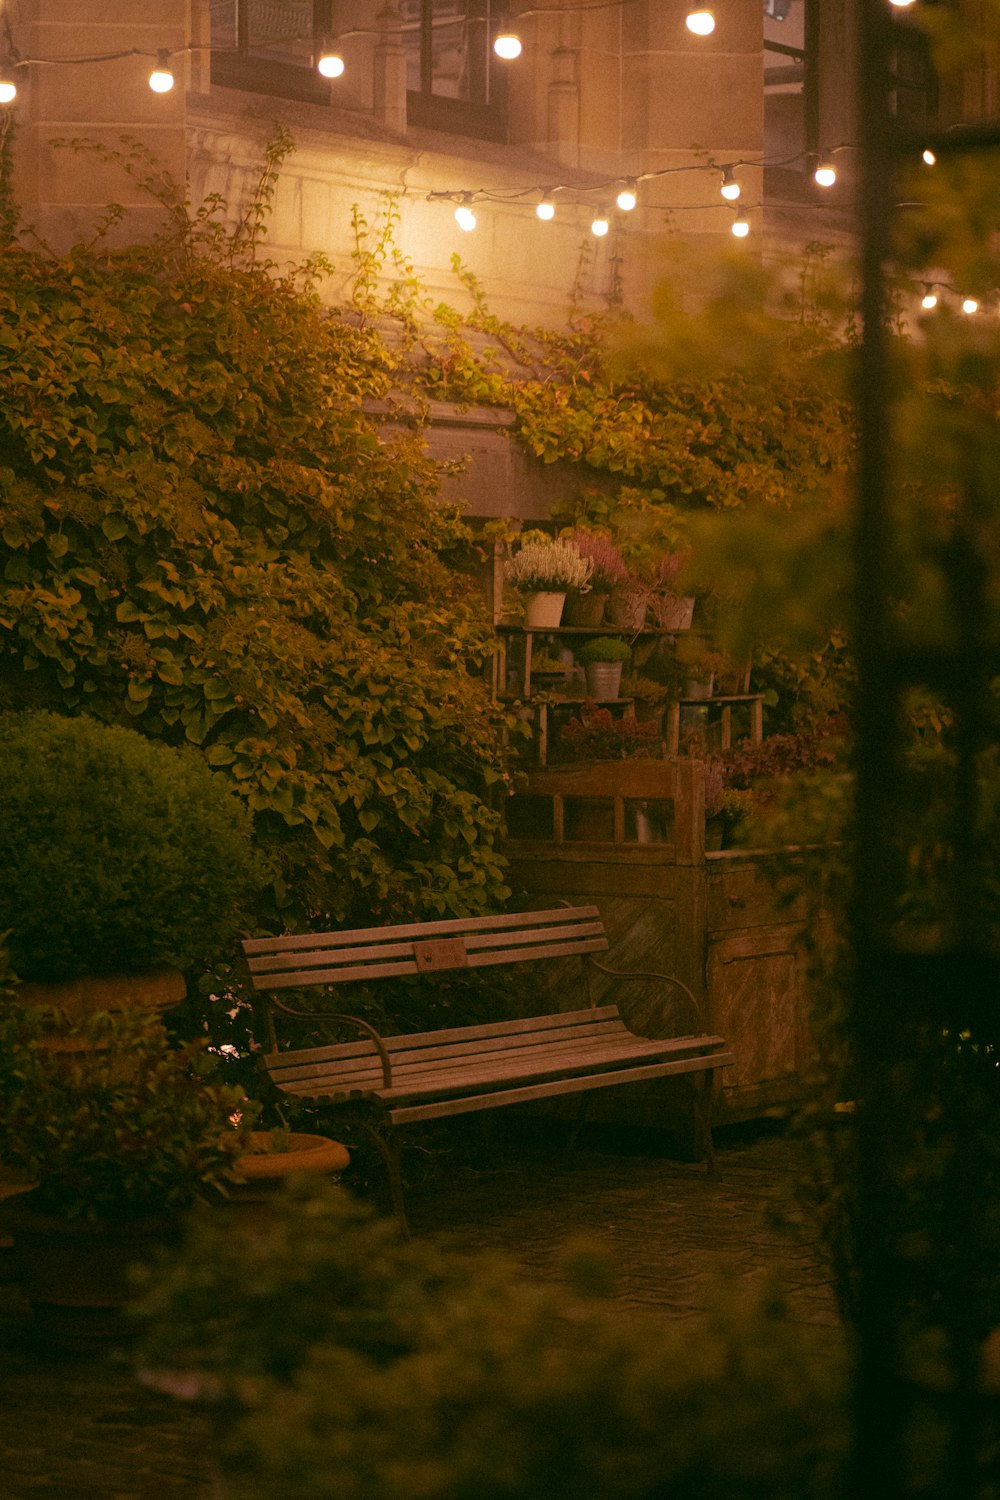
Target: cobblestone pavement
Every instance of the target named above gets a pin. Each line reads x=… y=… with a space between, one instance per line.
x=81 y=1429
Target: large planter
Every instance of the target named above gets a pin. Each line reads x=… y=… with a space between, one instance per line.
x=158 y=990
x=604 y=679
x=584 y=609
x=543 y=611
x=77 y=1275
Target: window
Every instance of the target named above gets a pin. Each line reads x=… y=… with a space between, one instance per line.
x=452 y=83
x=267 y=45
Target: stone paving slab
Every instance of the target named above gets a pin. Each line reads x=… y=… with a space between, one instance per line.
x=82 y=1429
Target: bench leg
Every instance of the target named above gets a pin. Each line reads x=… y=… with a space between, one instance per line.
x=387 y=1145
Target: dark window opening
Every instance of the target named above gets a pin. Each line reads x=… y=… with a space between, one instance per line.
x=454 y=82
x=269 y=46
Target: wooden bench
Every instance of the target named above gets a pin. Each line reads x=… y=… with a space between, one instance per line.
x=467 y=1068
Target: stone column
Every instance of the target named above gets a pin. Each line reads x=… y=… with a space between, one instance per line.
x=390 y=71
x=64 y=190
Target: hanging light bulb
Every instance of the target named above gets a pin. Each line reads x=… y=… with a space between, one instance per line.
x=507 y=44
x=730 y=188
x=601 y=224
x=8 y=88
x=741 y=225
x=161 y=80
x=329 y=64
x=929 y=299
x=464 y=217
x=825 y=173
x=900 y=4
x=700 y=22
x=928 y=157
x=627 y=198
x=546 y=209
x=970 y=305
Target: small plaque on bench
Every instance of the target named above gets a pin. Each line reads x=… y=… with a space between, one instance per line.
x=441 y=953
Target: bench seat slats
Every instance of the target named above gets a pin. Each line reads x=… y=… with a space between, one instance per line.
x=569 y=916
x=450 y=1034
x=437 y=1110
x=520 y=1067
x=367 y=1060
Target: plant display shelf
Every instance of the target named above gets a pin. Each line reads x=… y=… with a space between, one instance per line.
x=724 y=703
x=516 y=631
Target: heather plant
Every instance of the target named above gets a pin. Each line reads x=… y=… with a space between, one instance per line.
x=608 y=567
x=545 y=565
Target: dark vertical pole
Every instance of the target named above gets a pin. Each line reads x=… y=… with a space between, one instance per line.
x=876 y=1028
x=811 y=43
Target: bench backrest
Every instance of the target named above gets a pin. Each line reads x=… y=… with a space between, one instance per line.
x=367 y=953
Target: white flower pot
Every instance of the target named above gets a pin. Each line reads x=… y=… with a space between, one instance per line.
x=543 y=611
x=604 y=679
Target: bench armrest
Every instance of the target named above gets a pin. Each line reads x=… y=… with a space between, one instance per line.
x=650 y=974
x=329 y=1015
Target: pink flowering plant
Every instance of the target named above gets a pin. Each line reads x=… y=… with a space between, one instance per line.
x=608 y=567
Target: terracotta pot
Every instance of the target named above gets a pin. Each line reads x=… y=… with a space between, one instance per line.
x=158 y=990
x=266 y=1172
x=628 y=611
x=543 y=611
x=584 y=609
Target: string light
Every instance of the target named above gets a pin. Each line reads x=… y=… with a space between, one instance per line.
x=930 y=297
x=969 y=305
x=601 y=224
x=730 y=188
x=464 y=217
x=8 y=88
x=507 y=45
x=900 y=4
x=161 y=80
x=741 y=226
x=627 y=198
x=545 y=209
x=928 y=157
x=329 y=63
x=825 y=173
x=700 y=22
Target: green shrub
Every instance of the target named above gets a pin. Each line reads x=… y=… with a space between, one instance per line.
x=127 y=1125
x=354 y=1366
x=604 y=648
x=117 y=856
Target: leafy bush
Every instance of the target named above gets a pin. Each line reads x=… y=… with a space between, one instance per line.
x=127 y=1125
x=354 y=1366
x=205 y=537
x=117 y=856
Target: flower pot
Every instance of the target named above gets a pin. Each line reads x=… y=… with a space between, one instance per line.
x=699 y=688
x=584 y=609
x=628 y=611
x=543 y=611
x=604 y=679
x=673 y=612
x=265 y=1172
x=157 y=990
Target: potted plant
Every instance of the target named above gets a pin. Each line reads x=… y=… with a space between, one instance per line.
x=608 y=572
x=548 y=671
x=598 y=735
x=603 y=659
x=269 y=1159
x=118 y=1138
x=647 y=695
x=122 y=862
x=629 y=602
x=670 y=609
x=544 y=570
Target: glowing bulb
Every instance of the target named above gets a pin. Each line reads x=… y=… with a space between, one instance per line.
x=900 y=4
x=507 y=46
x=700 y=22
x=465 y=218
x=330 y=63
x=8 y=90
x=600 y=225
x=546 y=209
x=929 y=157
x=825 y=174
x=741 y=227
x=627 y=199
x=970 y=305
x=161 y=80
x=730 y=187
x=929 y=300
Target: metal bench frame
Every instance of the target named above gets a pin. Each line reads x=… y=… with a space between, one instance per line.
x=464 y=1069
